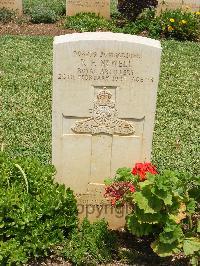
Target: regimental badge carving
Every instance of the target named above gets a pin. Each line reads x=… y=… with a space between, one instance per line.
x=104 y=118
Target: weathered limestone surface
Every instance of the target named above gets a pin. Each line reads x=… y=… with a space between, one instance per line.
x=104 y=103
x=101 y=7
x=15 y=5
x=191 y=5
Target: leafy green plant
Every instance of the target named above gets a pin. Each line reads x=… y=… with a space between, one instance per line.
x=175 y=24
x=149 y=23
x=46 y=11
x=36 y=214
x=43 y=14
x=84 y=22
x=6 y=15
x=180 y=25
x=57 y=6
x=131 y=9
x=91 y=244
x=163 y=205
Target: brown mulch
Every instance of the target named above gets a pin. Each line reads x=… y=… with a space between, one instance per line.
x=13 y=28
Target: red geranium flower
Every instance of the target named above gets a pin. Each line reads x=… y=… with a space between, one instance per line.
x=131 y=188
x=117 y=190
x=142 y=169
x=113 y=201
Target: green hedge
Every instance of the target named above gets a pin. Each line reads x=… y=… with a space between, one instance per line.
x=176 y=24
x=89 y=22
x=36 y=214
x=92 y=244
x=46 y=11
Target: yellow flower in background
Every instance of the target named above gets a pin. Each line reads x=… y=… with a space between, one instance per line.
x=198 y=13
x=171 y=20
x=170 y=28
x=183 y=21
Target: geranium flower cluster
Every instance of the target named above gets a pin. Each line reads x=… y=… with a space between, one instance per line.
x=141 y=169
x=117 y=190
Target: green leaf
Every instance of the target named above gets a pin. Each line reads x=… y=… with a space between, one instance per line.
x=198 y=227
x=165 y=250
x=191 y=245
x=137 y=228
x=194 y=261
x=167 y=180
x=171 y=233
x=191 y=206
x=148 y=182
x=2 y=224
x=166 y=196
x=124 y=174
x=143 y=202
x=108 y=181
x=147 y=202
x=178 y=215
x=150 y=218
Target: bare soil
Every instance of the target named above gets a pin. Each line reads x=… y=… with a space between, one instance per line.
x=13 y=28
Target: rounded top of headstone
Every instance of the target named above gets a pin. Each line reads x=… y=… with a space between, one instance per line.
x=106 y=36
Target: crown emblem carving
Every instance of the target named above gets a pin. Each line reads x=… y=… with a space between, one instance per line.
x=104 y=118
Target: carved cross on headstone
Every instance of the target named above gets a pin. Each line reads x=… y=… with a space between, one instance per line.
x=103 y=127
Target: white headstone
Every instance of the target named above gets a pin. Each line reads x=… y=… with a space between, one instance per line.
x=14 y=5
x=104 y=103
x=190 y=5
x=99 y=7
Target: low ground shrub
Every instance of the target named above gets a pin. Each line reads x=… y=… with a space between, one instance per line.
x=147 y=23
x=177 y=24
x=92 y=244
x=180 y=25
x=6 y=15
x=43 y=14
x=131 y=9
x=164 y=205
x=47 y=11
x=85 y=22
x=36 y=214
x=58 y=6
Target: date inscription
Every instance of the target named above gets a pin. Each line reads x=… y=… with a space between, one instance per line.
x=106 y=66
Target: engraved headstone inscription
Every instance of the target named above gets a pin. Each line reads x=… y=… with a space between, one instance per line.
x=99 y=7
x=15 y=5
x=104 y=103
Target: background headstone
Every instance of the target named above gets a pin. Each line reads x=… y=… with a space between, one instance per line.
x=104 y=103
x=101 y=7
x=15 y=5
x=190 y=5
